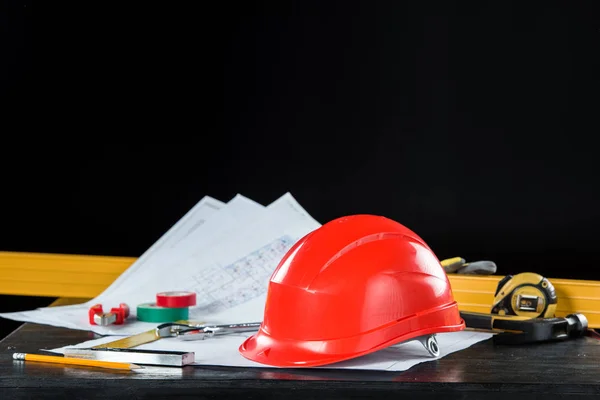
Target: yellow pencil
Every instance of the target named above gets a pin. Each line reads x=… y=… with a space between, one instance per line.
x=74 y=361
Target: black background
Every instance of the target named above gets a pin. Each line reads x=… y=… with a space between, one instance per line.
x=473 y=124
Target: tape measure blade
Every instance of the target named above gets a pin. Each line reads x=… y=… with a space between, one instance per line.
x=139 y=339
x=131 y=341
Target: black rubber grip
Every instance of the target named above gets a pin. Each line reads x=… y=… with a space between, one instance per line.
x=477 y=320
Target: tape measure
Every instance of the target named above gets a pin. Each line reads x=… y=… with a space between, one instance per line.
x=523 y=311
x=525 y=295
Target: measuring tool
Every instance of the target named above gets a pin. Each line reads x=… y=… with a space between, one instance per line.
x=526 y=295
x=523 y=311
x=195 y=332
x=135 y=356
x=131 y=341
x=475 y=293
x=144 y=337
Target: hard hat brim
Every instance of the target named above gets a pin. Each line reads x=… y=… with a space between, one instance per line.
x=289 y=353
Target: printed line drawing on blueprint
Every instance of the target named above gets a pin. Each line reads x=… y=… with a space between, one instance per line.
x=222 y=287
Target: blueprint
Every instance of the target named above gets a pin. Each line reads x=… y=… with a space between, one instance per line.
x=221 y=287
x=227 y=259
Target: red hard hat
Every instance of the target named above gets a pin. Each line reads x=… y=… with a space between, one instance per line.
x=353 y=286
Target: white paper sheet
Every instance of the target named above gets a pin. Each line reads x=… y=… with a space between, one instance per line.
x=163 y=247
x=227 y=261
x=187 y=226
x=198 y=225
x=223 y=351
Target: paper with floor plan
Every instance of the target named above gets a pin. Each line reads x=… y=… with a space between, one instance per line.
x=191 y=227
x=168 y=244
x=186 y=227
x=223 y=351
x=227 y=260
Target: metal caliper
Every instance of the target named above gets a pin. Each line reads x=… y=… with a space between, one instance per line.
x=201 y=332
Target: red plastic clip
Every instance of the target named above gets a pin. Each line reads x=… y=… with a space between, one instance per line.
x=116 y=316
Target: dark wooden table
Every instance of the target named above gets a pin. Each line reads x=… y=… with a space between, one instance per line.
x=483 y=371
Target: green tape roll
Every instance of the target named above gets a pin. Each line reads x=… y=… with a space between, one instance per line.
x=150 y=312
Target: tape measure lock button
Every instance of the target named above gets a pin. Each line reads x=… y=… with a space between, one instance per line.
x=526 y=294
x=529 y=303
